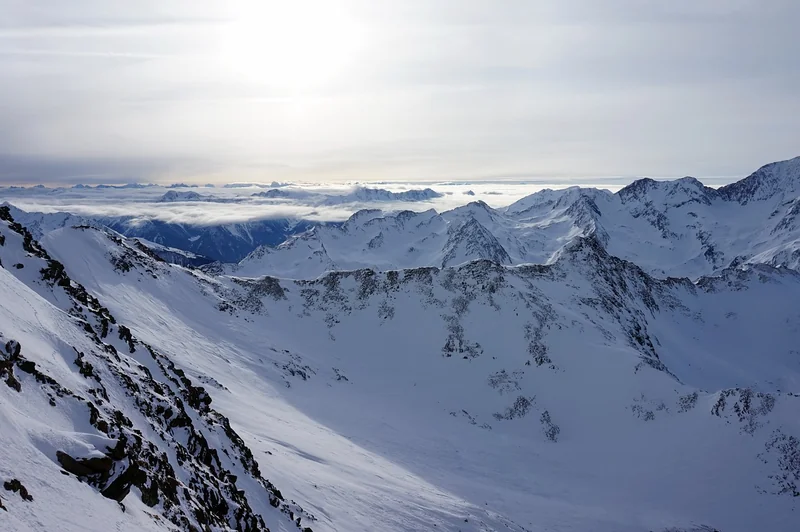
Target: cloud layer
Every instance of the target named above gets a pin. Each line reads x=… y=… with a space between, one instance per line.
x=212 y=206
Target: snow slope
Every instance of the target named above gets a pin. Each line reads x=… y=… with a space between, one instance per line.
x=579 y=395
x=679 y=228
x=91 y=413
x=225 y=242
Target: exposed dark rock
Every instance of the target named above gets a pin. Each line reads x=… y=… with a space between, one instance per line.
x=519 y=409
x=551 y=430
x=121 y=486
x=9 y=358
x=16 y=486
x=786 y=449
x=85 y=466
x=687 y=402
x=748 y=406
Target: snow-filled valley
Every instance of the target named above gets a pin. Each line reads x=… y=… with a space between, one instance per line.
x=577 y=360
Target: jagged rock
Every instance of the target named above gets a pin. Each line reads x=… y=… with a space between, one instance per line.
x=85 y=466
x=121 y=486
x=118 y=452
x=16 y=486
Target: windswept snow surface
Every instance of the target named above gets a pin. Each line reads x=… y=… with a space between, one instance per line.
x=477 y=392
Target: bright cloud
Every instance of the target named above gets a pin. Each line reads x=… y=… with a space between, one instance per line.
x=95 y=91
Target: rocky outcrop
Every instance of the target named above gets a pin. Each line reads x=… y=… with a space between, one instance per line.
x=192 y=481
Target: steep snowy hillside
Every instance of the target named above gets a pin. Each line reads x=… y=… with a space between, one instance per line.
x=579 y=395
x=90 y=414
x=173 y=255
x=227 y=242
x=772 y=180
x=38 y=224
x=679 y=228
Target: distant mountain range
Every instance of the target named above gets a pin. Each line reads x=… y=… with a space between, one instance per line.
x=225 y=242
x=357 y=195
x=670 y=228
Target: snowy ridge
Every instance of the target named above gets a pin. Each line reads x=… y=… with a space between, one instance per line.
x=85 y=394
x=39 y=224
x=775 y=179
x=173 y=255
x=676 y=227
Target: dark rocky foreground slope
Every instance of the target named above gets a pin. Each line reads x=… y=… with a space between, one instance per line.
x=163 y=439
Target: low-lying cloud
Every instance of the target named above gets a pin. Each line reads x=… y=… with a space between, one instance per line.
x=315 y=202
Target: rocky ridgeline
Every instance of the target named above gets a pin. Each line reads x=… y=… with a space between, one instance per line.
x=620 y=289
x=165 y=425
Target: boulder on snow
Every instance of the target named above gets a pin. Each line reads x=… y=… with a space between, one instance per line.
x=17 y=487
x=85 y=466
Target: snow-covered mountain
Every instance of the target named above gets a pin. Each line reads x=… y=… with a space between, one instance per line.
x=356 y=195
x=183 y=195
x=221 y=242
x=777 y=180
x=582 y=394
x=679 y=228
x=127 y=185
x=90 y=413
x=366 y=194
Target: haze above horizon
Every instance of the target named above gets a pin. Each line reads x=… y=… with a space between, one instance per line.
x=418 y=91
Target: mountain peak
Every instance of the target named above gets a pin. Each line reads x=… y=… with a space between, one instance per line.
x=780 y=177
x=553 y=199
x=174 y=195
x=361 y=216
x=672 y=192
x=474 y=207
x=472 y=240
x=637 y=189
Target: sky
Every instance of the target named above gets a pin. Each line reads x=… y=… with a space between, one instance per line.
x=98 y=91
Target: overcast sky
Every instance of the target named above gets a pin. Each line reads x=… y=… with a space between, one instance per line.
x=103 y=91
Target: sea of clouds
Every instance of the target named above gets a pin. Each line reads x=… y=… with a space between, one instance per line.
x=223 y=204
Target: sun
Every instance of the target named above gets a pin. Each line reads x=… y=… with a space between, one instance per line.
x=290 y=44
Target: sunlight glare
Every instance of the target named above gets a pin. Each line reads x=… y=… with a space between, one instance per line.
x=289 y=44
